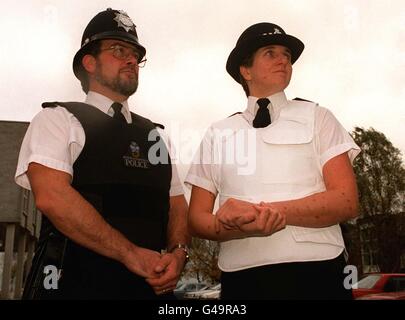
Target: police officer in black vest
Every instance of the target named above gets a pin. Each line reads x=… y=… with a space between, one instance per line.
x=111 y=199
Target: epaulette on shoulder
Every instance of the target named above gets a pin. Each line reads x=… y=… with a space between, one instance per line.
x=234 y=114
x=300 y=99
x=49 y=104
x=161 y=126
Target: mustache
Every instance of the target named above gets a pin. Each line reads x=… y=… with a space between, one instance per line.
x=129 y=68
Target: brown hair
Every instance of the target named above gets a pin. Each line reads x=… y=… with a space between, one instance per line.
x=94 y=49
x=246 y=62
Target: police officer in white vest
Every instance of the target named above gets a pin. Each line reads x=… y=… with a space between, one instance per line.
x=279 y=208
x=110 y=207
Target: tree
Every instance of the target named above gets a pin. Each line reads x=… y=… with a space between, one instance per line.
x=381 y=183
x=203 y=263
x=379 y=172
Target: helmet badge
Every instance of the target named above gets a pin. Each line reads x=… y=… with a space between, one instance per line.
x=124 y=21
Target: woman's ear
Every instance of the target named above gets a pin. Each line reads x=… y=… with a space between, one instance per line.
x=245 y=72
x=89 y=63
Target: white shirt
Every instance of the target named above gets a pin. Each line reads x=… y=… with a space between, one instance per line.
x=331 y=139
x=288 y=155
x=55 y=138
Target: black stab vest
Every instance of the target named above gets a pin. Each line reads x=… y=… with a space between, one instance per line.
x=113 y=173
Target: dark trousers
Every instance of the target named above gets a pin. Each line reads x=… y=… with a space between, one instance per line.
x=315 y=280
x=85 y=276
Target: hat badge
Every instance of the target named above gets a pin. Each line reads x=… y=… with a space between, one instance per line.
x=275 y=31
x=124 y=21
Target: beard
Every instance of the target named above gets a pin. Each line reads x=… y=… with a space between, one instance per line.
x=125 y=87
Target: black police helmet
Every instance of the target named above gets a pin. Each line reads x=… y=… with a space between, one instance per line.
x=257 y=36
x=108 y=24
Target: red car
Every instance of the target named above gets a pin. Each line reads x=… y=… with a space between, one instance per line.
x=384 y=296
x=379 y=282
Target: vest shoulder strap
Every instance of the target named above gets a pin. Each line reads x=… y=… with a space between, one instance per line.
x=161 y=126
x=300 y=99
x=139 y=119
x=298 y=109
x=234 y=114
x=81 y=107
x=80 y=110
x=67 y=105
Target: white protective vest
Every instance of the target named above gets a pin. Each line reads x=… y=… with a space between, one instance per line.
x=287 y=168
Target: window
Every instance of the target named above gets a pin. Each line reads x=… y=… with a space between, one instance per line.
x=395 y=284
x=368 y=282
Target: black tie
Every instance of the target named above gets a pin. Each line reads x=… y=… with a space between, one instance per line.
x=117 y=112
x=262 y=118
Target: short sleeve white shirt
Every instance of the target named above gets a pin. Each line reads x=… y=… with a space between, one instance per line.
x=331 y=140
x=55 y=139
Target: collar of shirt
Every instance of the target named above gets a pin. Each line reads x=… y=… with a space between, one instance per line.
x=277 y=101
x=104 y=104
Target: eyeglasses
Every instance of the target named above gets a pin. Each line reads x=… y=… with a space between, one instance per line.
x=122 y=53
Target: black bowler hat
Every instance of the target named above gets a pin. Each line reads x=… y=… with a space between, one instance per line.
x=108 y=24
x=257 y=36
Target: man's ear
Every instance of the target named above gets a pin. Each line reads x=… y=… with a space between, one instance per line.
x=89 y=63
x=245 y=72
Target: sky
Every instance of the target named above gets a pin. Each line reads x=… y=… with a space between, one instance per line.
x=353 y=62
